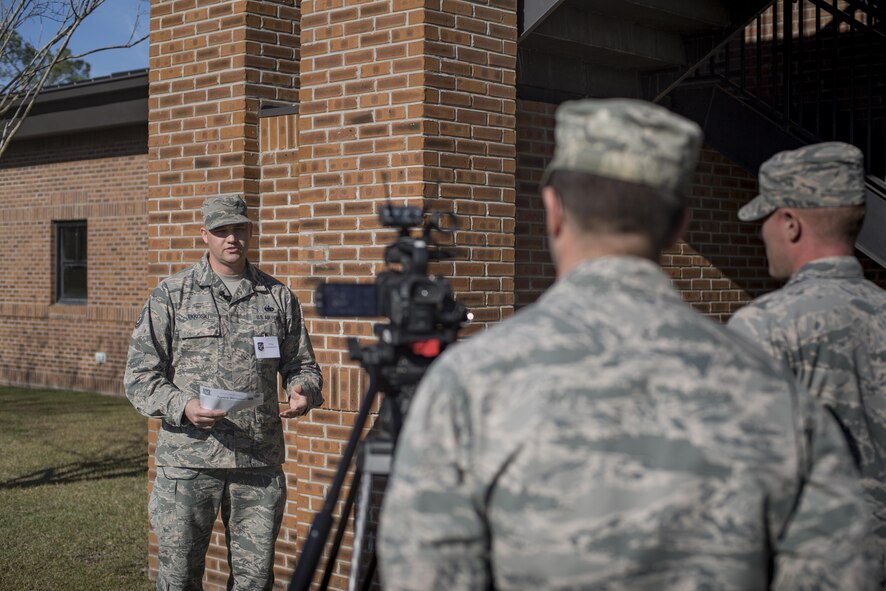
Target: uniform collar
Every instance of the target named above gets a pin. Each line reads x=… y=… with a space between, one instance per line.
x=829 y=268
x=621 y=273
x=206 y=276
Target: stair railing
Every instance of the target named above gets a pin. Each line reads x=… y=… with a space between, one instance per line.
x=816 y=68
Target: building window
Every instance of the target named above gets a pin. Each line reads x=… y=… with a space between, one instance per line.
x=70 y=262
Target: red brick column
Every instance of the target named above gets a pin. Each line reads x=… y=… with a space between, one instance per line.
x=214 y=65
x=414 y=100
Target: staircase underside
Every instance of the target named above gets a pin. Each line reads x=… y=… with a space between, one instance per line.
x=576 y=48
x=642 y=48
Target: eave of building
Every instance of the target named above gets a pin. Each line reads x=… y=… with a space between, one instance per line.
x=118 y=100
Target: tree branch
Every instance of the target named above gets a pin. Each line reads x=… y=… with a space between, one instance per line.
x=126 y=45
x=28 y=78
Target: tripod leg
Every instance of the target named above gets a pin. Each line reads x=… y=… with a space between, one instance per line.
x=374 y=462
x=340 y=530
x=361 y=515
x=370 y=571
x=313 y=548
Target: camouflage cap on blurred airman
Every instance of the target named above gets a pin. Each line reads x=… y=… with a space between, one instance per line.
x=830 y=174
x=627 y=140
x=224 y=210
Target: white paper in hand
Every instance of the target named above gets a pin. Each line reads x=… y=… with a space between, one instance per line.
x=227 y=400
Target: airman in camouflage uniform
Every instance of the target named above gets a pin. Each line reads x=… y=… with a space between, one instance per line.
x=204 y=327
x=609 y=437
x=828 y=323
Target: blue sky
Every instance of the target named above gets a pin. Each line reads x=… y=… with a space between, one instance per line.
x=110 y=24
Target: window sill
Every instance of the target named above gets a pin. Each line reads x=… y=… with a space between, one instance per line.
x=68 y=308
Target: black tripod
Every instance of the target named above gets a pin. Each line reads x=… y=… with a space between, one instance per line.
x=375 y=456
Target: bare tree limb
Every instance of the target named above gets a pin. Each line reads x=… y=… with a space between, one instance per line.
x=23 y=108
x=22 y=82
x=126 y=45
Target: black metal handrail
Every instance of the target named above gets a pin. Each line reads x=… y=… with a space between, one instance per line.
x=872 y=240
x=718 y=46
x=872 y=7
x=817 y=68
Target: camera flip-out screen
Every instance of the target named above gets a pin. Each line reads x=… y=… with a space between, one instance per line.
x=347 y=299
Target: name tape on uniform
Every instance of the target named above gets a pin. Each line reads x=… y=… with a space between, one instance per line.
x=266 y=347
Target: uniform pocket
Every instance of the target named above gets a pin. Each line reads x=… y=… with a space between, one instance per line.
x=207 y=325
x=173 y=473
x=163 y=504
x=198 y=343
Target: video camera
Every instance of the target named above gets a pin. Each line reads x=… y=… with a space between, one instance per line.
x=423 y=316
x=423 y=319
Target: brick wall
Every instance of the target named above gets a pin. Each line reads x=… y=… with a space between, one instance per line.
x=534 y=270
x=412 y=99
x=99 y=177
x=721 y=264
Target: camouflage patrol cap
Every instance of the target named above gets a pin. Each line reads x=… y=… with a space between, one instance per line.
x=627 y=140
x=829 y=174
x=224 y=210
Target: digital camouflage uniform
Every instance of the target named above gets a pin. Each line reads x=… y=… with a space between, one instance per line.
x=194 y=332
x=828 y=323
x=609 y=437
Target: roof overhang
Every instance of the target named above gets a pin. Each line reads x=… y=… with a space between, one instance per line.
x=118 y=100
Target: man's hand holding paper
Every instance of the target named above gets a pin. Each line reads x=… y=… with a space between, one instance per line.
x=227 y=400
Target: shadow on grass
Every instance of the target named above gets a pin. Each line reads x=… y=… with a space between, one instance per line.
x=134 y=464
x=34 y=403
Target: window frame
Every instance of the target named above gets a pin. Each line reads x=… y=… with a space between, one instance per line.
x=62 y=264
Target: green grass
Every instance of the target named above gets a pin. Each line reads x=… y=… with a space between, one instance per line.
x=73 y=501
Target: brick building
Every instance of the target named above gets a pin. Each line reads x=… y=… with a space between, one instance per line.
x=319 y=110
x=78 y=169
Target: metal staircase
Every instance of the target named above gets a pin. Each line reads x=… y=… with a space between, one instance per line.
x=799 y=72
x=758 y=76
x=576 y=48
